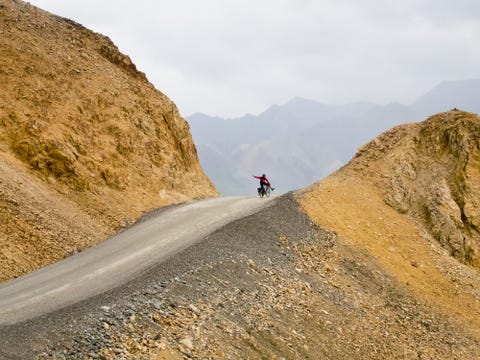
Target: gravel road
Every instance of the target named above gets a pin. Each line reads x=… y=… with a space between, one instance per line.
x=119 y=259
x=45 y=336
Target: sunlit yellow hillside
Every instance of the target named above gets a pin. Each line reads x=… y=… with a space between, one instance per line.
x=87 y=144
x=410 y=198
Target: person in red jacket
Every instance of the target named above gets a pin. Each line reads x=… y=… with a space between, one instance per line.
x=263 y=182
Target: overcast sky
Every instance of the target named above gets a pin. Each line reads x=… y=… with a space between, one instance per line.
x=231 y=57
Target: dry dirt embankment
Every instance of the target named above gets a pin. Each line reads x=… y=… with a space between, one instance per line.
x=87 y=144
x=410 y=198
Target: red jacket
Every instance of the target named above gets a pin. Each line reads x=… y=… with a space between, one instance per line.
x=263 y=179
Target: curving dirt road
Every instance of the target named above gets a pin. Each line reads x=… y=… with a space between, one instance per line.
x=120 y=258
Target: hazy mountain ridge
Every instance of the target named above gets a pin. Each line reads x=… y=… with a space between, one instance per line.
x=461 y=94
x=308 y=135
x=87 y=144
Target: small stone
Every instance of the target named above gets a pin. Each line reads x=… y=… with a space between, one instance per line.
x=187 y=342
x=194 y=309
x=161 y=345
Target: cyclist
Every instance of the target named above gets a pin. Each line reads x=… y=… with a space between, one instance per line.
x=263 y=182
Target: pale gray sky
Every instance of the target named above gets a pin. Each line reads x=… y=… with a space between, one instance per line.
x=231 y=57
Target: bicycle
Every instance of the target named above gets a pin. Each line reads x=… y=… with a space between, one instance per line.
x=264 y=191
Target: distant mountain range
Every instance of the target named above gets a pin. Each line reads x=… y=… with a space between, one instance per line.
x=302 y=141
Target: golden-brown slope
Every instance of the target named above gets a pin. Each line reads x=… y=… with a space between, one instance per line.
x=78 y=120
x=406 y=198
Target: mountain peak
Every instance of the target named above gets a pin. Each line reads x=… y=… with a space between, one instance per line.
x=460 y=94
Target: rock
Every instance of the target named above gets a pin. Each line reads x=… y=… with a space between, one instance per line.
x=187 y=342
x=252 y=265
x=194 y=309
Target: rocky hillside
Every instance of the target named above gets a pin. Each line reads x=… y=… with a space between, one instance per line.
x=87 y=144
x=431 y=171
x=409 y=198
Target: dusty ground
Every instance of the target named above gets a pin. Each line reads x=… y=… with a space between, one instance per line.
x=402 y=248
x=272 y=285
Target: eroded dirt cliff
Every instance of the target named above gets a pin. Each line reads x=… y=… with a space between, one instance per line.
x=87 y=144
